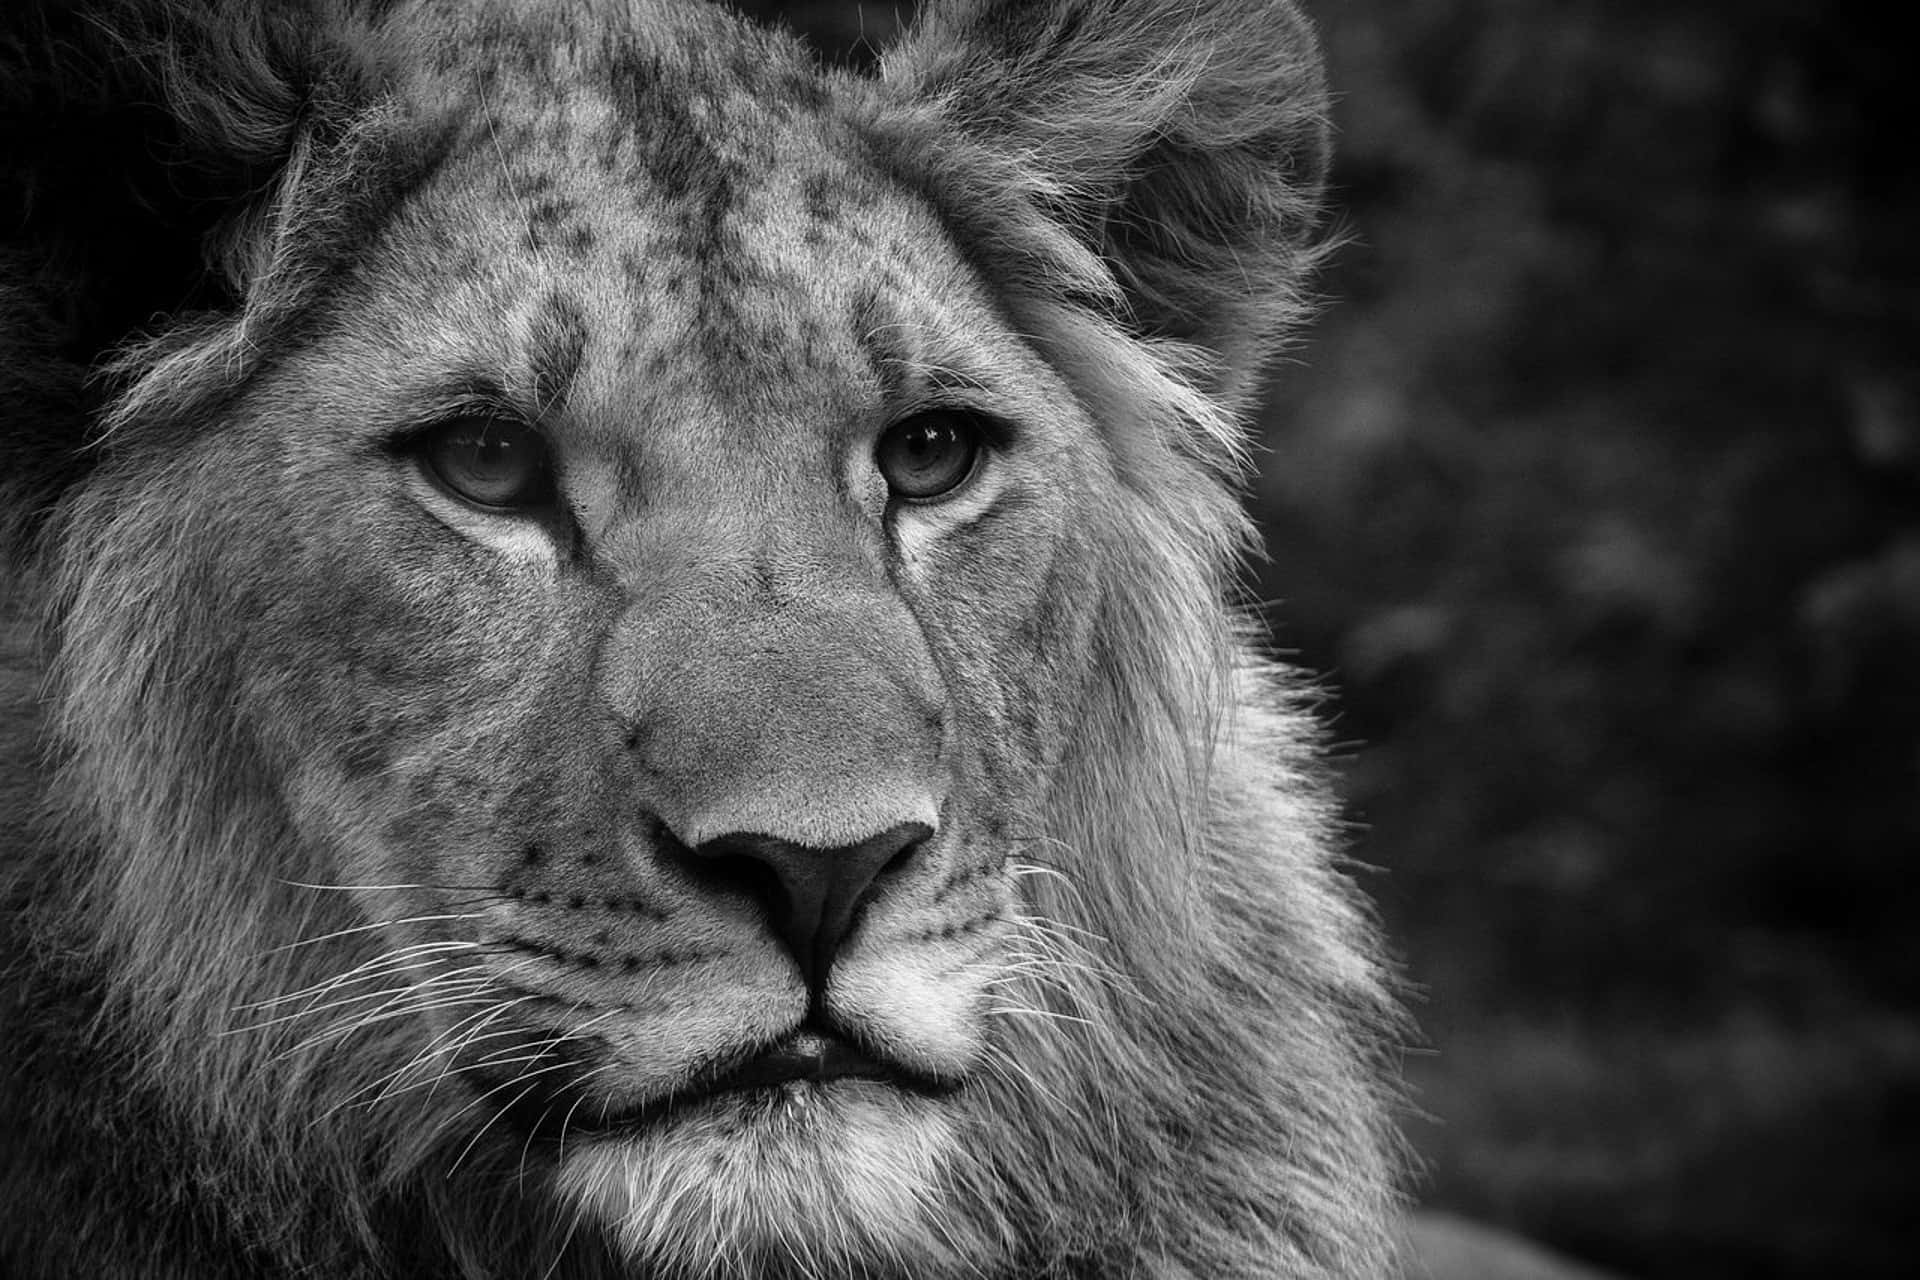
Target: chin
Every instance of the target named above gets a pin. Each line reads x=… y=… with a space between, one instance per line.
x=812 y=1179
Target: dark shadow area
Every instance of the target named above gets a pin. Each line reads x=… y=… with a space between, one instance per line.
x=845 y=32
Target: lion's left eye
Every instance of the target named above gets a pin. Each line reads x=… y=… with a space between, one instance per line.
x=491 y=463
x=928 y=455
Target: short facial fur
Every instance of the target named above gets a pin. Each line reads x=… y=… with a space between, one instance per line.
x=388 y=875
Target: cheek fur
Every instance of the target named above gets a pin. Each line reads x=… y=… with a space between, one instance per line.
x=368 y=659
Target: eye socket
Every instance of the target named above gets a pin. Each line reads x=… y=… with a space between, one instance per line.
x=493 y=463
x=929 y=454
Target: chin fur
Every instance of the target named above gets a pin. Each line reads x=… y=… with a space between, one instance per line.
x=803 y=1180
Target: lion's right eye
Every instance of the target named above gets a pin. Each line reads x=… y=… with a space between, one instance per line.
x=927 y=456
x=492 y=463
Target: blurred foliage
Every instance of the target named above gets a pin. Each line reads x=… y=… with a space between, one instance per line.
x=1596 y=491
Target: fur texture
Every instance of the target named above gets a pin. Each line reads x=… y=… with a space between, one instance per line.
x=351 y=878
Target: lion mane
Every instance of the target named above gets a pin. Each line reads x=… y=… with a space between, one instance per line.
x=309 y=834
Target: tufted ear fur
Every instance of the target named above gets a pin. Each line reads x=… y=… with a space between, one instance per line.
x=1182 y=142
x=165 y=168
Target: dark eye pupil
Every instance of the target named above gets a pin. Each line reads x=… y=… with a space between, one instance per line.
x=490 y=463
x=927 y=456
x=922 y=442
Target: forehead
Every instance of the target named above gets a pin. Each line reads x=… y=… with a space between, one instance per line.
x=695 y=219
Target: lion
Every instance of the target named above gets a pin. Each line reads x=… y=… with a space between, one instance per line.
x=623 y=660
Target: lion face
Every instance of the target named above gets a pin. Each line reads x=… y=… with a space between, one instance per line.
x=647 y=687
x=680 y=570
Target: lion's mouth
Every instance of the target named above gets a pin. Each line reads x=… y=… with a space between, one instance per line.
x=806 y=1056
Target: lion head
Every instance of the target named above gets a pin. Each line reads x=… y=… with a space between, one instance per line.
x=622 y=658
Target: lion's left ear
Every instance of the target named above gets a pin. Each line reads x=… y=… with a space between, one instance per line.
x=1185 y=142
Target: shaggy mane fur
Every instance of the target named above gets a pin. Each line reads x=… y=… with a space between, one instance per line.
x=1139 y=180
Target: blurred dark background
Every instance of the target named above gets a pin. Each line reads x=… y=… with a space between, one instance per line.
x=1595 y=491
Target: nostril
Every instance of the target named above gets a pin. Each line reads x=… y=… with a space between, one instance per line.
x=811 y=896
x=738 y=873
x=901 y=860
x=727 y=865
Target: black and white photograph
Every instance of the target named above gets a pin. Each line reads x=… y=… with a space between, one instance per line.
x=958 y=640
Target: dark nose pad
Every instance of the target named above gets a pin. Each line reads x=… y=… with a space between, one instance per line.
x=811 y=896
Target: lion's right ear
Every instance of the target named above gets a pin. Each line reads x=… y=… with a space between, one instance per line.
x=1181 y=143
x=151 y=158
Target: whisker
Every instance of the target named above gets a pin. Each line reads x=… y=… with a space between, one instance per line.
x=389 y=1085
x=385 y=993
x=318 y=1001
x=367 y=928
x=390 y=888
x=532 y=1077
x=561 y=1143
x=450 y=1044
x=401 y=1002
x=366 y=968
x=577 y=1212
x=1051 y=1015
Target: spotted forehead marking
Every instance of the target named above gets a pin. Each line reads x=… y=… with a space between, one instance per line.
x=704 y=229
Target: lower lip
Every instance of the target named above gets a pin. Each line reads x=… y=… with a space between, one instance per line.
x=804 y=1058
x=803 y=1065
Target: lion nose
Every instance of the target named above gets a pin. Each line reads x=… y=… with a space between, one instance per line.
x=811 y=896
